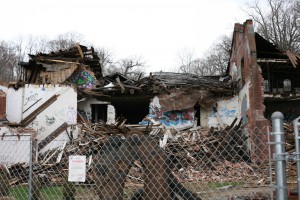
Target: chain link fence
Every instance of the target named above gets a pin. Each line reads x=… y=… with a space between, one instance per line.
x=232 y=163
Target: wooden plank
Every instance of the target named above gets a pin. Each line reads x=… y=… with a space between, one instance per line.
x=121 y=84
x=80 y=50
x=26 y=121
x=52 y=136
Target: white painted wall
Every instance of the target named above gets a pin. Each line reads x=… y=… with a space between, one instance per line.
x=178 y=119
x=204 y=113
x=86 y=105
x=244 y=106
x=13 y=104
x=111 y=114
x=30 y=97
x=229 y=109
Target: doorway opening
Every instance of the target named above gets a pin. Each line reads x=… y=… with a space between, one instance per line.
x=99 y=112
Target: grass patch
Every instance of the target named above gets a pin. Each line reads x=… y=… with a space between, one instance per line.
x=223 y=184
x=19 y=192
x=50 y=192
x=54 y=192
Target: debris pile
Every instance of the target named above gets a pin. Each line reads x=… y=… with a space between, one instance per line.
x=159 y=82
x=195 y=154
x=289 y=137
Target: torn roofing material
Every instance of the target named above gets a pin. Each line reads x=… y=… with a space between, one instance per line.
x=267 y=52
x=80 y=67
x=161 y=83
x=56 y=67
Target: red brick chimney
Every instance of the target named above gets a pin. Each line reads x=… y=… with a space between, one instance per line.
x=2 y=104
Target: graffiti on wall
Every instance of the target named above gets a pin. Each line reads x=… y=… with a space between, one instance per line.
x=72 y=114
x=59 y=113
x=224 y=112
x=174 y=118
x=83 y=79
x=31 y=97
x=50 y=120
x=33 y=124
x=41 y=129
x=177 y=117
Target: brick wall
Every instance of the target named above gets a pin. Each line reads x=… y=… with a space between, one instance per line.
x=244 y=55
x=2 y=105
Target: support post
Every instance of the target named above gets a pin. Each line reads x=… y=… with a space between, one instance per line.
x=30 y=170
x=297 y=137
x=279 y=156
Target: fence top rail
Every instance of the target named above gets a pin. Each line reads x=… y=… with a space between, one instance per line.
x=29 y=135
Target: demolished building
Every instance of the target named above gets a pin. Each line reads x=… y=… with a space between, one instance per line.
x=172 y=99
x=43 y=101
x=58 y=90
x=206 y=125
x=268 y=81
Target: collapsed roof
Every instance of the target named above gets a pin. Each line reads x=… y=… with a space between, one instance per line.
x=80 y=66
x=160 y=83
x=267 y=52
x=57 y=67
x=279 y=68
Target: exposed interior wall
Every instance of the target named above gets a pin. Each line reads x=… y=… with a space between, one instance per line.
x=244 y=103
x=179 y=119
x=92 y=108
x=204 y=117
x=228 y=110
x=13 y=104
x=134 y=110
x=26 y=100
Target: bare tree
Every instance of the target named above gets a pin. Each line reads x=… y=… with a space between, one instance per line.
x=29 y=44
x=132 y=67
x=278 y=22
x=106 y=60
x=186 y=60
x=65 y=41
x=218 y=57
x=213 y=63
x=113 y=68
x=8 y=61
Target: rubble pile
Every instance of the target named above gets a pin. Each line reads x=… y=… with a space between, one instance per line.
x=195 y=154
x=289 y=137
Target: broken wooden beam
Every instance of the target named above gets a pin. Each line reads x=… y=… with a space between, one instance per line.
x=52 y=136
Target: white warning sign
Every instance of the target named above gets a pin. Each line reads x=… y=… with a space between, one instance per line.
x=77 y=168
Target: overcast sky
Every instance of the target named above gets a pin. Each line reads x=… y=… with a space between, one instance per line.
x=155 y=29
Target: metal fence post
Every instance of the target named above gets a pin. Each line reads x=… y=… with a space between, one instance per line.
x=279 y=156
x=297 y=137
x=30 y=170
x=270 y=161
